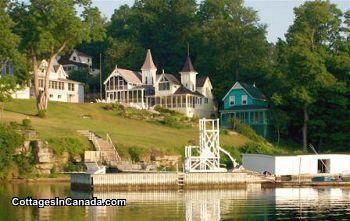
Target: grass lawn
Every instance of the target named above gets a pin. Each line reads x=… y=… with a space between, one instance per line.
x=64 y=119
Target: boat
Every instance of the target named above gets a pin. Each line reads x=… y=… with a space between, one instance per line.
x=322 y=179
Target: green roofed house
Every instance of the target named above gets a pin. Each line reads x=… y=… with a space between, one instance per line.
x=248 y=104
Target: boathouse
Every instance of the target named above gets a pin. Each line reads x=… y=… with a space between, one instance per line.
x=299 y=164
x=247 y=104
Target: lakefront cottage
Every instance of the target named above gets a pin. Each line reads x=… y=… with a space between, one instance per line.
x=190 y=94
x=247 y=104
x=60 y=87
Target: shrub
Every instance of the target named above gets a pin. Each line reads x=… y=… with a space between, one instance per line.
x=246 y=131
x=27 y=124
x=135 y=153
x=42 y=113
x=172 y=121
x=259 y=148
x=9 y=141
x=70 y=166
x=25 y=162
x=164 y=110
x=14 y=125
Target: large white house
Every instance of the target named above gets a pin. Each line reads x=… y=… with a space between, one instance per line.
x=191 y=94
x=60 y=88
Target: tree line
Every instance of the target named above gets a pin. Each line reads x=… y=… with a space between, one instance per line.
x=306 y=75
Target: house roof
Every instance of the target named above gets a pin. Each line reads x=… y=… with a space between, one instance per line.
x=200 y=80
x=82 y=54
x=130 y=76
x=188 y=67
x=252 y=90
x=64 y=60
x=184 y=90
x=148 y=64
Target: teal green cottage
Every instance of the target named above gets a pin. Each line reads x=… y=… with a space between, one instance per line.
x=248 y=104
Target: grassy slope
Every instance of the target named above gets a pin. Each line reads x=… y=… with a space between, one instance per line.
x=64 y=119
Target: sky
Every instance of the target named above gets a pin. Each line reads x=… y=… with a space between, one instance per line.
x=277 y=14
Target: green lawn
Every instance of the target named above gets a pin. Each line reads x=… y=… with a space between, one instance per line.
x=64 y=119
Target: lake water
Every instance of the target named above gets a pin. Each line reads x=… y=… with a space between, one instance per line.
x=241 y=204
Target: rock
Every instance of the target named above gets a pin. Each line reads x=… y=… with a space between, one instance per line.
x=230 y=132
x=42 y=153
x=76 y=159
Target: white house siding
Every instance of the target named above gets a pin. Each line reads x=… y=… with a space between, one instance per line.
x=293 y=165
x=22 y=94
x=76 y=96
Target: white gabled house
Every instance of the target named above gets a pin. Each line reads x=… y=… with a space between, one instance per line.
x=61 y=88
x=75 y=61
x=191 y=94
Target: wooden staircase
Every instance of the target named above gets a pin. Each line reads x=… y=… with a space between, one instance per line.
x=104 y=148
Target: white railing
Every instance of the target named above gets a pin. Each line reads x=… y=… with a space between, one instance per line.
x=112 y=145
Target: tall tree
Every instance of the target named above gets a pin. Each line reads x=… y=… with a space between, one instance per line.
x=163 y=26
x=47 y=28
x=234 y=45
x=9 y=54
x=9 y=58
x=309 y=41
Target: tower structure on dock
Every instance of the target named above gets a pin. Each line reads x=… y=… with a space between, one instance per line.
x=206 y=156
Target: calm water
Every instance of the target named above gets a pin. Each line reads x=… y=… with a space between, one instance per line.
x=250 y=204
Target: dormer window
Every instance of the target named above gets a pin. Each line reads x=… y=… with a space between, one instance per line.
x=232 y=100
x=164 y=84
x=74 y=58
x=244 y=99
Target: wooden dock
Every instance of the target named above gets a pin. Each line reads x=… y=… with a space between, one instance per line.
x=165 y=180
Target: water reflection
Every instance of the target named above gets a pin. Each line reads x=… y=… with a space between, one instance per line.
x=193 y=205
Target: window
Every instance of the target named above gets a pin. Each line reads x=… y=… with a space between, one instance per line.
x=244 y=99
x=61 y=85
x=164 y=84
x=323 y=165
x=51 y=95
x=205 y=100
x=70 y=86
x=59 y=96
x=74 y=58
x=232 y=100
x=41 y=83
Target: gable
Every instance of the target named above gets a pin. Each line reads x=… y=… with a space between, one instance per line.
x=128 y=75
x=252 y=91
x=74 y=54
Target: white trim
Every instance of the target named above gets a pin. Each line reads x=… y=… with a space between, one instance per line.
x=233 y=87
x=231 y=90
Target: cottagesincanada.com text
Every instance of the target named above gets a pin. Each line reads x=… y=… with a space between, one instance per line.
x=68 y=201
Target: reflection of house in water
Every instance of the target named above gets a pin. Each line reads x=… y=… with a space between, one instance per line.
x=197 y=204
x=212 y=205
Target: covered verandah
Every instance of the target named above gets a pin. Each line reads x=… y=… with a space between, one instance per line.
x=174 y=101
x=135 y=95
